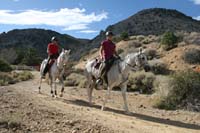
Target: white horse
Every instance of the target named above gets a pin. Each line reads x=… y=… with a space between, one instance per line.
x=56 y=72
x=117 y=75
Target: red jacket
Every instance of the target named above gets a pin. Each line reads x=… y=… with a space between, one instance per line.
x=52 y=48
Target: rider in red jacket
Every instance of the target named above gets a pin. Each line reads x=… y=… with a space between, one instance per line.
x=53 y=53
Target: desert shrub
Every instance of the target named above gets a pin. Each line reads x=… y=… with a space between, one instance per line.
x=14 y=77
x=169 y=40
x=4 y=66
x=133 y=37
x=116 y=39
x=140 y=38
x=134 y=44
x=183 y=92
x=25 y=75
x=150 y=53
x=75 y=79
x=192 y=56
x=119 y=51
x=124 y=36
x=146 y=41
x=158 y=67
x=192 y=38
x=141 y=81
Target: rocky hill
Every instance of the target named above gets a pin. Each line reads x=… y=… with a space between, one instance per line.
x=153 y=21
x=38 y=39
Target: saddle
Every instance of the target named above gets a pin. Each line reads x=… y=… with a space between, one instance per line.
x=97 y=63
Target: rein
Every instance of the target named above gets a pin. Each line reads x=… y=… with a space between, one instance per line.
x=133 y=67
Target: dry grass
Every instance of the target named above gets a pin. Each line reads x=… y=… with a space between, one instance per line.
x=75 y=79
x=14 y=77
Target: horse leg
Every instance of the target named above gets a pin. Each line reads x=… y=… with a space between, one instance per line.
x=106 y=98
x=40 y=82
x=54 y=87
x=89 y=91
x=62 y=89
x=124 y=89
x=51 y=84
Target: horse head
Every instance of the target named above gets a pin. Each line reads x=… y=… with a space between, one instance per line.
x=141 y=60
x=64 y=56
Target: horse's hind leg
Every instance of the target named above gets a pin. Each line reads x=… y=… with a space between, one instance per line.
x=63 y=87
x=106 y=98
x=89 y=91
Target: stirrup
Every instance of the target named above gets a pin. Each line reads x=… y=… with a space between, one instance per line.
x=99 y=81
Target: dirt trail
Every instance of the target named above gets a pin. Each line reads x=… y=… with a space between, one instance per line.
x=22 y=109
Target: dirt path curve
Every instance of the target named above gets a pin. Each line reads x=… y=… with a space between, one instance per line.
x=22 y=109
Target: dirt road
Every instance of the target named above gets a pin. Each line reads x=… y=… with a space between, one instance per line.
x=22 y=109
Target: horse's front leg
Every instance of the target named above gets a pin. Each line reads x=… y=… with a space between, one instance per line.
x=106 y=98
x=90 y=88
x=51 y=85
x=63 y=86
x=54 y=87
x=124 y=90
x=40 y=82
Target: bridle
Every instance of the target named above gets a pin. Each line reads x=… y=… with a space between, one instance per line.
x=131 y=66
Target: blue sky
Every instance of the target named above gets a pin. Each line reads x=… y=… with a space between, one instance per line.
x=81 y=18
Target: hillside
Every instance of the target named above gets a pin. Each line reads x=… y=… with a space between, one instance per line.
x=153 y=21
x=38 y=39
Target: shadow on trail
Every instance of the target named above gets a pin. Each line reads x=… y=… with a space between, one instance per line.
x=139 y=116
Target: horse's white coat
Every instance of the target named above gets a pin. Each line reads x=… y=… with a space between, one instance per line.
x=56 y=72
x=117 y=75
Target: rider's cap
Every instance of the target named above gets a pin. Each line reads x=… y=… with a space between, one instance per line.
x=109 y=33
x=54 y=39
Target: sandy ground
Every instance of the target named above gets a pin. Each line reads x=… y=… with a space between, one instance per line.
x=23 y=110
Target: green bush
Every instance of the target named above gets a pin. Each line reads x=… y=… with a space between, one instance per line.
x=28 y=57
x=124 y=36
x=4 y=66
x=184 y=92
x=142 y=82
x=31 y=57
x=192 y=56
x=169 y=40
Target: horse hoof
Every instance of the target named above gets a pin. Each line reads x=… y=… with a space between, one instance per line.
x=61 y=95
x=102 y=109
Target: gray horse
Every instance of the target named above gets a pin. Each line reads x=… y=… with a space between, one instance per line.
x=117 y=75
x=56 y=72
